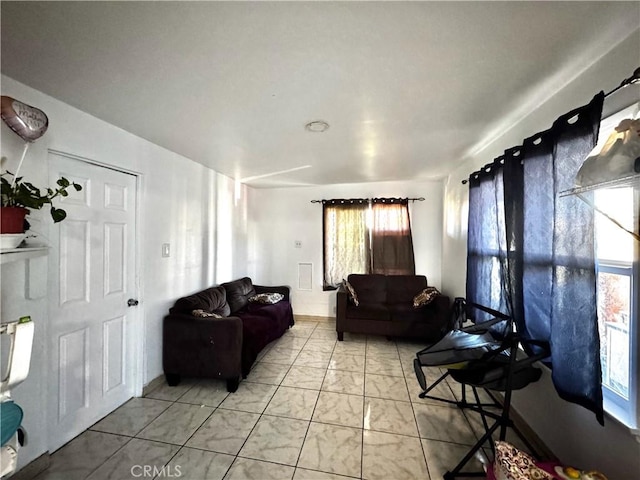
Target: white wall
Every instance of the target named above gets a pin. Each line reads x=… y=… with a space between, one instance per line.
x=182 y=203
x=281 y=216
x=570 y=431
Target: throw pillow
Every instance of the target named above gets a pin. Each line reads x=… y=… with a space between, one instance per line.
x=266 y=298
x=425 y=297
x=513 y=464
x=203 y=314
x=352 y=293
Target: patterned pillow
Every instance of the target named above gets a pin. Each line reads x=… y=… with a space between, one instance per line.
x=203 y=314
x=513 y=464
x=352 y=293
x=425 y=297
x=266 y=298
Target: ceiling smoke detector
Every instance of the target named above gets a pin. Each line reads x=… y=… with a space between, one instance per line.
x=317 y=126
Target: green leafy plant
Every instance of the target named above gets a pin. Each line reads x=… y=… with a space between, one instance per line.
x=18 y=193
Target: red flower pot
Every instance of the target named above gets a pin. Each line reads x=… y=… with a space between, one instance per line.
x=12 y=219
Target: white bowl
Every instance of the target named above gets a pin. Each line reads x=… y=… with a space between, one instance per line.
x=10 y=240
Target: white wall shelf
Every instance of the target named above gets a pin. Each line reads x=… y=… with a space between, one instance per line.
x=628 y=181
x=25 y=253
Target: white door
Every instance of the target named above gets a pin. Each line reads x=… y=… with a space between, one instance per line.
x=93 y=330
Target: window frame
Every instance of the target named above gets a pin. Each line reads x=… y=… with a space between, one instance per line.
x=624 y=411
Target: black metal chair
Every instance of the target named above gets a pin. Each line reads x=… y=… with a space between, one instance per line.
x=461 y=345
x=486 y=355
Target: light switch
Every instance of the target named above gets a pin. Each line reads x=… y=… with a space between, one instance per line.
x=298 y=243
x=166 y=250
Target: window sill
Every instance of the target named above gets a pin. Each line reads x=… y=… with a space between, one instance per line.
x=635 y=432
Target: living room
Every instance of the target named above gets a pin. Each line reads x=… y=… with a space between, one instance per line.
x=219 y=228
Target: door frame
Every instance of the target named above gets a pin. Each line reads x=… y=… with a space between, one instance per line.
x=138 y=313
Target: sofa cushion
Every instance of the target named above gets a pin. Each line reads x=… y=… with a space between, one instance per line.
x=213 y=300
x=402 y=288
x=369 y=288
x=268 y=298
x=353 y=296
x=238 y=293
x=369 y=311
x=262 y=323
x=203 y=314
x=404 y=312
x=425 y=297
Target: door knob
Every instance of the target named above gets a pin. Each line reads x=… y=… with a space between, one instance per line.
x=132 y=302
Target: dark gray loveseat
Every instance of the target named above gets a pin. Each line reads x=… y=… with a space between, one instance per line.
x=386 y=308
x=223 y=348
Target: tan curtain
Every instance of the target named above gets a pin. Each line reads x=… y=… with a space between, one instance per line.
x=346 y=242
x=391 y=243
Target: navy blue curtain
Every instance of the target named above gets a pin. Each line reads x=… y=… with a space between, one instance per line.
x=575 y=342
x=529 y=211
x=486 y=241
x=547 y=264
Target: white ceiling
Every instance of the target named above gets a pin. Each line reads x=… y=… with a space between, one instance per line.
x=409 y=89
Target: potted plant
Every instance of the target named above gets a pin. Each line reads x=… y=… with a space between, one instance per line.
x=18 y=197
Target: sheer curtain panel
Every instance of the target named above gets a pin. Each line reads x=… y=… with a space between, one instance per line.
x=391 y=242
x=346 y=241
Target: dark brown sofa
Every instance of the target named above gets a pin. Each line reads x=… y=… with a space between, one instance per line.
x=222 y=348
x=386 y=308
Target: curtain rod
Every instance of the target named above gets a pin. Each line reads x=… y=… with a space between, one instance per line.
x=352 y=200
x=626 y=82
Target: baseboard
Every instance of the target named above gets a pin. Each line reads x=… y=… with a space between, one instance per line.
x=528 y=432
x=152 y=385
x=313 y=318
x=33 y=468
x=531 y=435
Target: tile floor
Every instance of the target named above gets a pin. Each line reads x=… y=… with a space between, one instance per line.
x=311 y=408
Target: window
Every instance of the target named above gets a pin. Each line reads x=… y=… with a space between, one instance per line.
x=617 y=302
x=617 y=254
x=346 y=242
x=366 y=236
